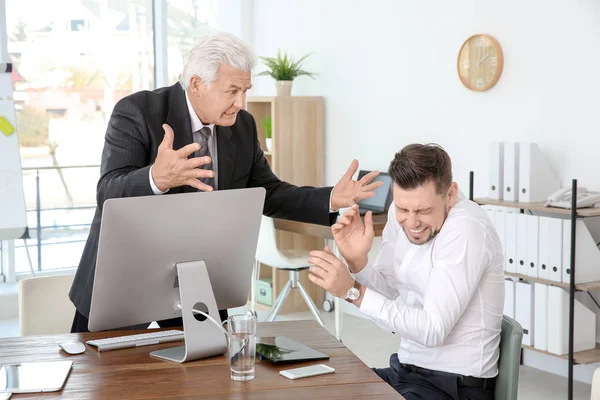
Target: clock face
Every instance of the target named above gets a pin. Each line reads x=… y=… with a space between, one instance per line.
x=480 y=62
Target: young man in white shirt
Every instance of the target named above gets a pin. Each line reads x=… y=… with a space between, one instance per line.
x=438 y=281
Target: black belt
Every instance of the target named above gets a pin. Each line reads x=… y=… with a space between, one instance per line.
x=469 y=381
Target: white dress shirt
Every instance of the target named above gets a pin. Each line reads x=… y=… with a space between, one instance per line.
x=444 y=298
x=212 y=145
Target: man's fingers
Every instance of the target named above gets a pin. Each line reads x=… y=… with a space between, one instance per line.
x=328 y=250
x=185 y=151
x=196 y=162
x=368 y=177
x=318 y=272
x=316 y=280
x=167 y=141
x=322 y=258
x=369 y=224
x=372 y=186
x=202 y=173
x=351 y=170
x=199 y=185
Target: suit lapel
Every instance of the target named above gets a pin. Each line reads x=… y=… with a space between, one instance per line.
x=227 y=151
x=178 y=118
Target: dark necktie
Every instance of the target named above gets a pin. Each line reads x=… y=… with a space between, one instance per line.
x=202 y=137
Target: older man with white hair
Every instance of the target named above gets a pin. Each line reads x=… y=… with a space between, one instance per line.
x=195 y=135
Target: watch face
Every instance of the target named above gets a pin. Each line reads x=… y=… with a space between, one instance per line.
x=353 y=294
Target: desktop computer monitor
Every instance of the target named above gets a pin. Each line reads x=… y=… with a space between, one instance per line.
x=159 y=253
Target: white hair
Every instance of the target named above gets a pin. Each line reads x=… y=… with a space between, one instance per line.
x=210 y=52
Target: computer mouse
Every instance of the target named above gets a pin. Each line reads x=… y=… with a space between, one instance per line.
x=73 y=347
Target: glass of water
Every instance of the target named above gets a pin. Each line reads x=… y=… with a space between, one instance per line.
x=242 y=346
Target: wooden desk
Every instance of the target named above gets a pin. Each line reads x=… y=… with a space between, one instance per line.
x=324 y=232
x=132 y=373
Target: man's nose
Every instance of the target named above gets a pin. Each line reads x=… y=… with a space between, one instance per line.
x=412 y=221
x=240 y=100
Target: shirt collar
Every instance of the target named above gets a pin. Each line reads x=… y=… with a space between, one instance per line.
x=196 y=123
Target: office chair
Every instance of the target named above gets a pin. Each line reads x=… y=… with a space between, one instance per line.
x=44 y=305
x=596 y=385
x=293 y=261
x=507 y=381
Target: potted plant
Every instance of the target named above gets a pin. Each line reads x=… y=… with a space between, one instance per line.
x=284 y=69
x=267 y=125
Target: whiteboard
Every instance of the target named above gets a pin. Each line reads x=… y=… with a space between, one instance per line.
x=13 y=220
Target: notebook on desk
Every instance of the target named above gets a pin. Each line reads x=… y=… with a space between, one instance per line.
x=379 y=203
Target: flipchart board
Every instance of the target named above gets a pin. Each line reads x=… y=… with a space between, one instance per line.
x=13 y=221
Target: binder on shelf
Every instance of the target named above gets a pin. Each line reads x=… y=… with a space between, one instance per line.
x=540 y=317
x=587 y=254
x=584 y=335
x=533 y=236
x=511 y=242
x=537 y=178
x=522 y=243
x=509 y=298
x=544 y=244
x=524 y=310
x=491 y=214
x=496 y=170
x=501 y=229
x=556 y=249
x=511 y=171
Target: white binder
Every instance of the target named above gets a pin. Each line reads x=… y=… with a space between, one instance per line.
x=587 y=255
x=533 y=236
x=524 y=310
x=584 y=335
x=491 y=213
x=501 y=229
x=511 y=242
x=556 y=248
x=540 y=317
x=496 y=170
x=509 y=298
x=544 y=243
x=511 y=171
x=537 y=178
x=522 y=243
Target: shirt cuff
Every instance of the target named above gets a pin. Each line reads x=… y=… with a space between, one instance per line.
x=155 y=188
x=331 y=211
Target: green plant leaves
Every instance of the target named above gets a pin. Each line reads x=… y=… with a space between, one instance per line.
x=284 y=67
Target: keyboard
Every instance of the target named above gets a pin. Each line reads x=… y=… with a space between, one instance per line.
x=142 y=339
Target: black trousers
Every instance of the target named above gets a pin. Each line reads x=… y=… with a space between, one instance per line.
x=416 y=386
x=80 y=322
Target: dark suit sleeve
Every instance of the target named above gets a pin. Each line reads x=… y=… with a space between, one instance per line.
x=125 y=168
x=284 y=200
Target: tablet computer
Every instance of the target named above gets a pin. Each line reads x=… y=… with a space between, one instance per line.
x=34 y=377
x=281 y=349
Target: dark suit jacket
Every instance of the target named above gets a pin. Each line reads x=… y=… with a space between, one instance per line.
x=132 y=138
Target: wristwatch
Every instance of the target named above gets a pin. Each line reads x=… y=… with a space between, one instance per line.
x=353 y=293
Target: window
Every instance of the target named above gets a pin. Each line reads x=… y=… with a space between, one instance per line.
x=187 y=22
x=73 y=60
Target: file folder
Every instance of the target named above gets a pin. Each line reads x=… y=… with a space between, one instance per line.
x=584 y=335
x=511 y=171
x=522 y=243
x=509 y=298
x=587 y=254
x=537 y=178
x=501 y=229
x=533 y=236
x=511 y=242
x=556 y=249
x=524 y=310
x=540 y=316
x=544 y=243
x=496 y=170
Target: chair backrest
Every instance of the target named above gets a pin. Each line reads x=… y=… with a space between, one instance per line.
x=507 y=381
x=44 y=305
x=266 y=250
x=596 y=385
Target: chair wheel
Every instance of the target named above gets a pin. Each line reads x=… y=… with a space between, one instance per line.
x=328 y=305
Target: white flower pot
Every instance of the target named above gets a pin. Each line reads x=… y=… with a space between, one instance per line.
x=269 y=144
x=284 y=88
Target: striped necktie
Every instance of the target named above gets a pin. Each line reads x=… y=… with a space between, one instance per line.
x=202 y=137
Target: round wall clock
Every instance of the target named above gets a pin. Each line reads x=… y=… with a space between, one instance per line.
x=480 y=62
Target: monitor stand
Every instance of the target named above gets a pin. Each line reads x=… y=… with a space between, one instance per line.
x=202 y=338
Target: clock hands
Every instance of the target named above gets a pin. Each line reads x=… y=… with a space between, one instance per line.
x=484 y=57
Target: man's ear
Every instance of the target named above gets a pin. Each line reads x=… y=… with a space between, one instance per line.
x=196 y=85
x=452 y=194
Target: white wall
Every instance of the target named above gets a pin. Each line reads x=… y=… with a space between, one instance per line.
x=387 y=70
